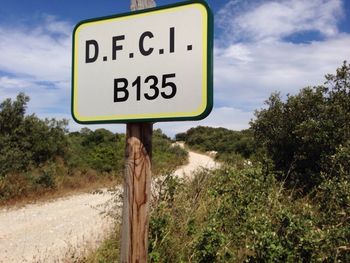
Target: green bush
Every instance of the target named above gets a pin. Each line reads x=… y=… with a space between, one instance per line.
x=244 y=215
x=47 y=178
x=302 y=134
x=40 y=155
x=27 y=141
x=101 y=150
x=208 y=245
x=222 y=140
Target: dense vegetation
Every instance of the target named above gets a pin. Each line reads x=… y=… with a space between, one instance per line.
x=307 y=137
x=27 y=141
x=290 y=203
x=39 y=156
x=226 y=142
x=236 y=215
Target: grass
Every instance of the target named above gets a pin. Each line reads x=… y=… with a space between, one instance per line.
x=50 y=182
x=108 y=252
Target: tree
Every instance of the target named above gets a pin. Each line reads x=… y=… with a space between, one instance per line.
x=26 y=140
x=300 y=135
x=12 y=114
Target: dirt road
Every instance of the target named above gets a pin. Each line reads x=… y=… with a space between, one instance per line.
x=195 y=161
x=52 y=231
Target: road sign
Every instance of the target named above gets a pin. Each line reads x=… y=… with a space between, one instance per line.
x=153 y=65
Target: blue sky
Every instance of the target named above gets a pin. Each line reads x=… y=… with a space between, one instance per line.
x=260 y=46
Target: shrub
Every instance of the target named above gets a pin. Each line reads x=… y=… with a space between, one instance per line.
x=245 y=215
x=302 y=134
x=222 y=140
x=27 y=141
x=46 y=179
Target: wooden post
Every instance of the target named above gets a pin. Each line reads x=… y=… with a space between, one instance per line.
x=137 y=183
x=141 y=4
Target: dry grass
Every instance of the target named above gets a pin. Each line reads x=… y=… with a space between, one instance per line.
x=21 y=190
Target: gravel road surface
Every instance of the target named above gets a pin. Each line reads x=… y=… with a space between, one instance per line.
x=52 y=231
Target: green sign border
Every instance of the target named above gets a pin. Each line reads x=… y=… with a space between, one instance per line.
x=209 y=94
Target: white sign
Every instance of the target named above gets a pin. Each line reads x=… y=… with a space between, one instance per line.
x=144 y=66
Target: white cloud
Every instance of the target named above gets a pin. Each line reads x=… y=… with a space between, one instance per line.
x=42 y=53
x=14 y=83
x=45 y=98
x=245 y=81
x=37 y=61
x=55 y=26
x=273 y=20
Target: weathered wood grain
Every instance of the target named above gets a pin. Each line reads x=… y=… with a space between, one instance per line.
x=137 y=184
x=141 y=4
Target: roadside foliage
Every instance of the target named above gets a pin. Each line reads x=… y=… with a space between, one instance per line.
x=281 y=195
x=41 y=156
